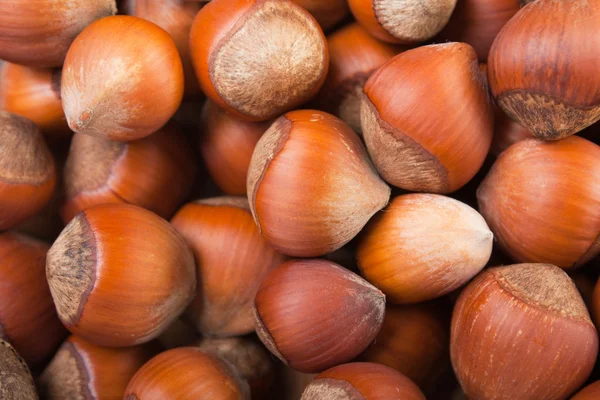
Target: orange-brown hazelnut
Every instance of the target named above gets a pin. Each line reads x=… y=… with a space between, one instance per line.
x=175 y=17
x=226 y=144
x=110 y=86
x=187 y=373
x=522 y=332
x=406 y=21
x=39 y=33
x=478 y=22
x=119 y=275
x=542 y=201
x=34 y=94
x=423 y=246
x=314 y=314
x=28 y=318
x=311 y=185
x=414 y=339
x=81 y=370
x=438 y=136
x=258 y=58
x=27 y=170
x=156 y=172
x=232 y=259
x=362 y=381
x=551 y=95
x=590 y=392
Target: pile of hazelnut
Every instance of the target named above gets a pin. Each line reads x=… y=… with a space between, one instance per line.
x=299 y=199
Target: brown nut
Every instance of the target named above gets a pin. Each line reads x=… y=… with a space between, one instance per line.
x=438 y=136
x=81 y=370
x=119 y=275
x=175 y=17
x=28 y=318
x=522 y=332
x=478 y=22
x=34 y=94
x=414 y=340
x=107 y=92
x=362 y=381
x=27 y=170
x=258 y=58
x=540 y=204
x=406 y=21
x=314 y=314
x=590 y=392
x=226 y=144
x=232 y=259
x=187 y=373
x=39 y=33
x=423 y=246
x=551 y=95
x=156 y=172
x=311 y=185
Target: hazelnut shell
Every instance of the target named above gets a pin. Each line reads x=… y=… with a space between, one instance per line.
x=232 y=259
x=531 y=79
x=314 y=314
x=438 y=136
x=119 y=275
x=258 y=58
x=522 y=331
x=311 y=185
x=175 y=374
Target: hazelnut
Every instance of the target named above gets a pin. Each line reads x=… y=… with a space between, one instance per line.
x=406 y=21
x=176 y=18
x=187 y=373
x=551 y=95
x=226 y=144
x=438 y=136
x=258 y=58
x=34 y=94
x=478 y=22
x=27 y=170
x=39 y=33
x=232 y=259
x=119 y=275
x=522 y=332
x=590 y=392
x=541 y=205
x=314 y=314
x=27 y=308
x=362 y=381
x=414 y=340
x=81 y=370
x=423 y=246
x=156 y=172
x=110 y=85
x=311 y=185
